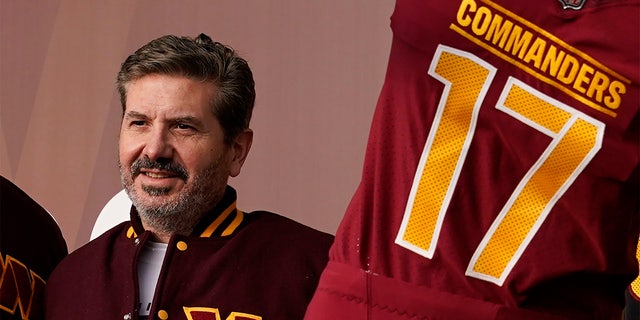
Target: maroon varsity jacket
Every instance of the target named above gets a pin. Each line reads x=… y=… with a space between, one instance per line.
x=235 y=265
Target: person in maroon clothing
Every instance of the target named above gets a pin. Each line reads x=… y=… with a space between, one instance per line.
x=188 y=252
x=31 y=245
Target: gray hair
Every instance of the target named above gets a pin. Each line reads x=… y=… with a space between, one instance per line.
x=199 y=59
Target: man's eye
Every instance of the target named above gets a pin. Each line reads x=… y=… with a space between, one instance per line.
x=183 y=126
x=137 y=123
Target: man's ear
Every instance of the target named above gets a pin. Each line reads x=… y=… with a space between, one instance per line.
x=239 y=150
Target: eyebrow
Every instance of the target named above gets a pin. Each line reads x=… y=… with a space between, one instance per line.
x=135 y=114
x=184 y=119
x=188 y=119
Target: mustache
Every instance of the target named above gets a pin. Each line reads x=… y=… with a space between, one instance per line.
x=160 y=164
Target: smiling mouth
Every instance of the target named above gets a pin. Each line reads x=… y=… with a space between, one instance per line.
x=158 y=175
x=158 y=169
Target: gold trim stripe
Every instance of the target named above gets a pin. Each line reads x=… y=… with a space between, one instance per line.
x=216 y=223
x=234 y=224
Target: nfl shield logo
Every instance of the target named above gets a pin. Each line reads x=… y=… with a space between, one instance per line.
x=572 y=4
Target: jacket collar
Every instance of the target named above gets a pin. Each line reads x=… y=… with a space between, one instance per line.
x=222 y=221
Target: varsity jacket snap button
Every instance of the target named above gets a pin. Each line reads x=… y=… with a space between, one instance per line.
x=127 y=316
x=163 y=315
x=182 y=246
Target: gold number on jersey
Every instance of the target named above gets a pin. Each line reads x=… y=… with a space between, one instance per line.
x=465 y=80
x=575 y=139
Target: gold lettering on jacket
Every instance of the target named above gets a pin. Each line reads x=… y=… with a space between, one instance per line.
x=204 y=313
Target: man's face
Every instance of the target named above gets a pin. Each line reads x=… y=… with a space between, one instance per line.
x=172 y=155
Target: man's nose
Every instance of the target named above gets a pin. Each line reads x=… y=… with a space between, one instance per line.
x=158 y=144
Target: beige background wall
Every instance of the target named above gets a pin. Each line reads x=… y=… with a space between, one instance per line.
x=318 y=66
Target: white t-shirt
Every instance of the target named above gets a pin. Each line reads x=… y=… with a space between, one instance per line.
x=149 y=266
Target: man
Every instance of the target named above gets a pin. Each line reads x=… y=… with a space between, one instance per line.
x=501 y=175
x=188 y=252
x=31 y=245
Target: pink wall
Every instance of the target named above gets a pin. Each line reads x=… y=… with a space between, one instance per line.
x=318 y=67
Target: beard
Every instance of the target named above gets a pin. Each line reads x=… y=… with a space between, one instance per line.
x=180 y=213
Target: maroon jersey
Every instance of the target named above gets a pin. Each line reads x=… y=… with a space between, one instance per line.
x=501 y=175
x=235 y=266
